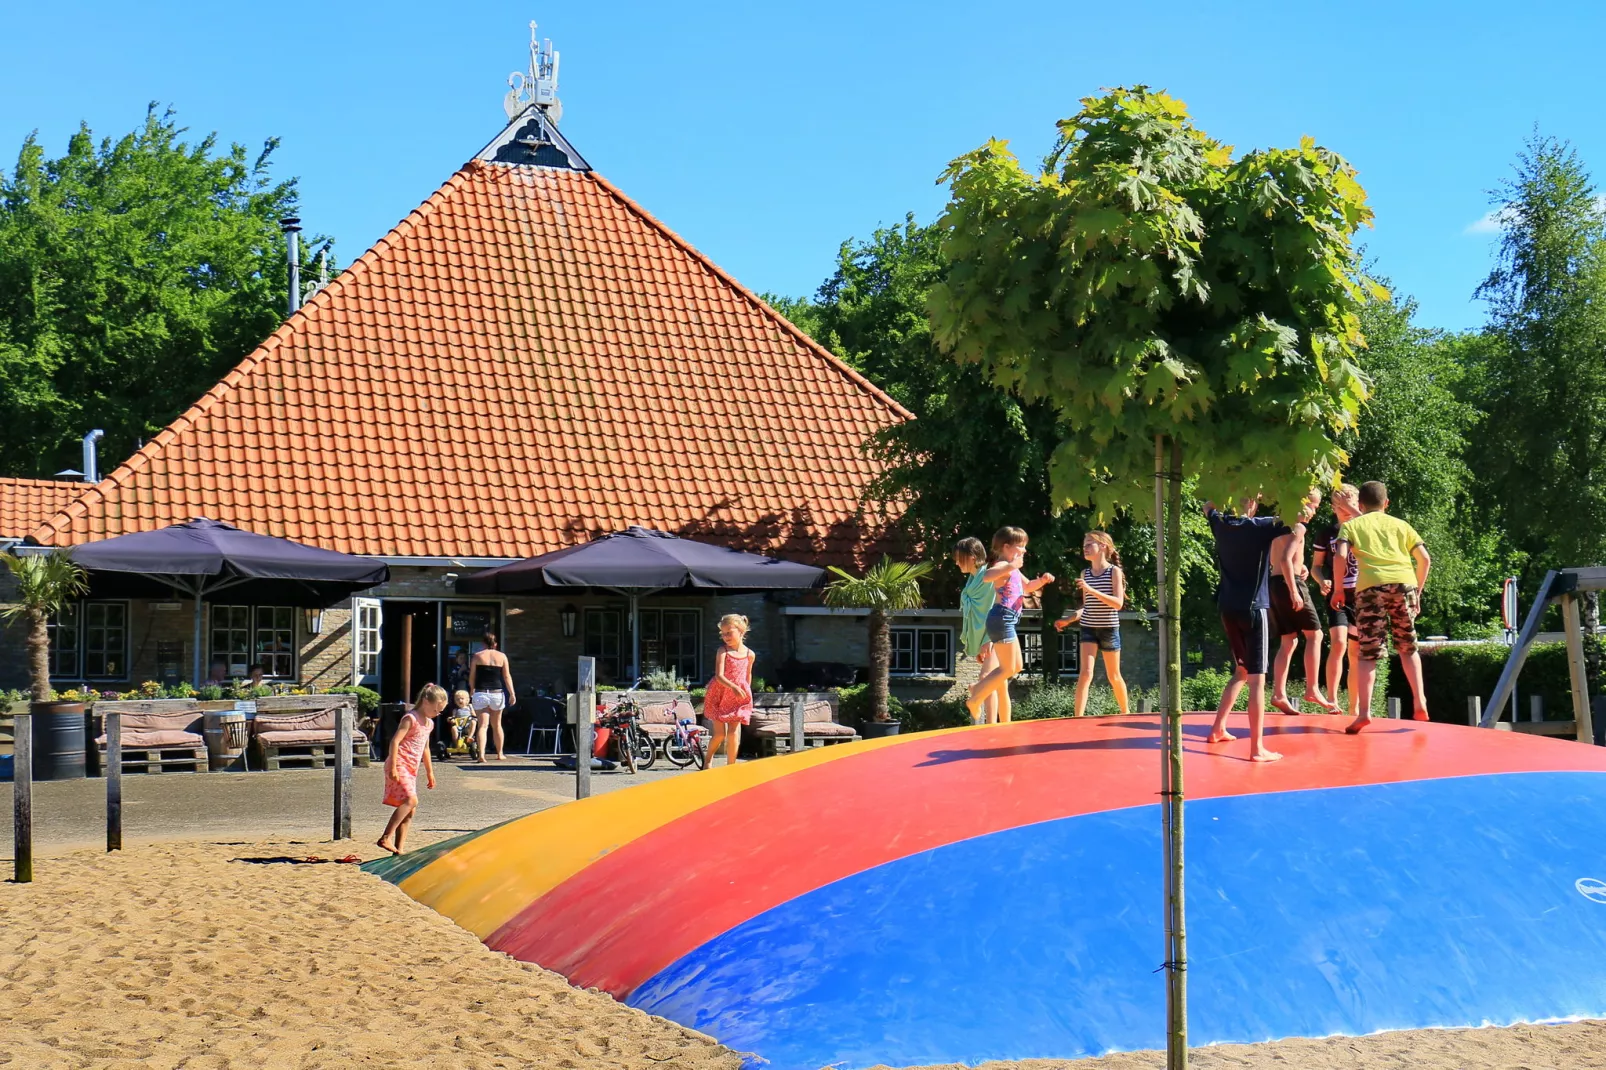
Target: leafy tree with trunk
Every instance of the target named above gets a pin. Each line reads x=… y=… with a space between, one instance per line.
x=1541 y=447
x=888 y=588
x=46 y=584
x=133 y=274
x=1187 y=314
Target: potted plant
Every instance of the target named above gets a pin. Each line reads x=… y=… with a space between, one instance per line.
x=887 y=588
x=47 y=584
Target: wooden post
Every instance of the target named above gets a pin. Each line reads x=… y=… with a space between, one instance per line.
x=114 y=781
x=343 y=771
x=1394 y=709
x=22 y=796
x=585 y=710
x=797 y=723
x=1474 y=710
x=1576 y=670
x=407 y=658
x=1536 y=707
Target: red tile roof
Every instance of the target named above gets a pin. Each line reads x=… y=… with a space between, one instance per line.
x=526 y=359
x=27 y=503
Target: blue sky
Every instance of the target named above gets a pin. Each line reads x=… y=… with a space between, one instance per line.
x=767 y=133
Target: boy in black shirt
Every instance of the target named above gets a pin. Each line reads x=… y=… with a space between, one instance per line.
x=1243 y=557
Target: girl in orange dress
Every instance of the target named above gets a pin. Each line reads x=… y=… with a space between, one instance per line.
x=409 y=746
x=728 y=701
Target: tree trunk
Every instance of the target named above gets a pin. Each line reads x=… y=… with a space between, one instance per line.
x=38 y=643
x=880 y=662
x=1177 y=1030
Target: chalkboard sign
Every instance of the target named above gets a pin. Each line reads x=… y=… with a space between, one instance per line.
x=169 y=656
x=471 y=623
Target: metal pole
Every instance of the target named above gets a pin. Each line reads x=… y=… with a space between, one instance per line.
x=585 y=709
x=114 y=781
x=635 y=637
x=343 y=772
x=797 y=723
x=198 y=677
x=22 y=797
x=1474 y=710
x=291 y=226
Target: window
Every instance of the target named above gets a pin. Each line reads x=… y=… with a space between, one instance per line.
x=63 y=629
x=922 y=651
x=670 y=640
x=105 y=640
x=243 y=636
x=1031 y=649
x=276 y=641
x=89 y=641
x=602 y=641
x=365 y=648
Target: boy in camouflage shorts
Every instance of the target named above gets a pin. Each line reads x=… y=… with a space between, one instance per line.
x=1394 y=566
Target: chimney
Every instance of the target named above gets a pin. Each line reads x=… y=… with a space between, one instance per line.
x=291 y=225
x=91 y=456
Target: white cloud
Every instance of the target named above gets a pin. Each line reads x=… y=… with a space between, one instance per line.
x=1496 y=221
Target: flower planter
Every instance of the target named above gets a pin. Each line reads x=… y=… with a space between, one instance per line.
x=58 y=740
x=877 y=729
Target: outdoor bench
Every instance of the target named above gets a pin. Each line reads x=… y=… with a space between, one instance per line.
x=660 y=710
x=292 y=732
x=168 y=735
x=771 y=729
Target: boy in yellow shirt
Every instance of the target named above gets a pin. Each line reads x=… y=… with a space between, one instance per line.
x=1394 y=566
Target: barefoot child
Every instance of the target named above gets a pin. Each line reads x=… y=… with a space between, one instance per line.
x=1103 y=587
x=1338 y=591
x=1243 y=558
x=976 y=601
x=728 y=701
x=1394 y=566
x=1293 y=614
x=409 y=745
x=1009 y=552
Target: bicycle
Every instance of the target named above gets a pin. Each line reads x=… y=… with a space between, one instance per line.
x=687 y=745
x=634 y=747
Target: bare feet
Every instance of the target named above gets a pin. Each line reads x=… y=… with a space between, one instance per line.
x=1419 y=715
x=1316 y=698
x=1264 y=755
x=382 y=845
x=1282 y=705
x=1221 y=735
x=1358 y=724
x=974 y=707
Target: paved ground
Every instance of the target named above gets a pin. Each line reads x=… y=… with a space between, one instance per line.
x=292 y=804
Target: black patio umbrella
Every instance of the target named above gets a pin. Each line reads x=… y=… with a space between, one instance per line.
x=203 y=557
x=640 y=561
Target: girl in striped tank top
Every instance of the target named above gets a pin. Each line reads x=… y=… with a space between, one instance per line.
x=1103 y=587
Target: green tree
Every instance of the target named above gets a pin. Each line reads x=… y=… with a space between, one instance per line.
x=888 y=588
x=133 y=274
x=1542 y=379
x=1184 y=312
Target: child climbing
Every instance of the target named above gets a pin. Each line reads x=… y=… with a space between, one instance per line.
x=409 y=746
x=1103 y=587
x=729 y=699
x=1009 y=553
x=976 y=601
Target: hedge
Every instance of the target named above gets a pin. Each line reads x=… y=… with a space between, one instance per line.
x=1452 y=673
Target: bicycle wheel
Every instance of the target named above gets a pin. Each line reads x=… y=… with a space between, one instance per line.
x=621 y=744
x=681 y=752
x=646 y=753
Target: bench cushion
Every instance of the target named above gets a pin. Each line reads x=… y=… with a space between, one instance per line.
x=156 y=740
x=300 y=721
x=307 y=737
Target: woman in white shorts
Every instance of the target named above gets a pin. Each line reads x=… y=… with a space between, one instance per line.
x=491 y=681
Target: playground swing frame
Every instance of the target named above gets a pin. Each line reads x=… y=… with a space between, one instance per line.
x=1564 y=586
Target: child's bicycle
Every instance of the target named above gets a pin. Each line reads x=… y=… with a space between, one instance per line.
x=687 y=744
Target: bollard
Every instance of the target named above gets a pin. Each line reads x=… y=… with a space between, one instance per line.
x=584 y=714
x=1145 y=704
x=1474 y=710
x=1394 y=709
x=343 y=772
x=1536 y=707
x=797 y=723
x=22 y=797
x=114 y=781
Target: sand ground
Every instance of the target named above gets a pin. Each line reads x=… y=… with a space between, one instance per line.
x=225 y=956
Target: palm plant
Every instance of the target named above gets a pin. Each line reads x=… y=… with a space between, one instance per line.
x=887 y=588
x=46 y=584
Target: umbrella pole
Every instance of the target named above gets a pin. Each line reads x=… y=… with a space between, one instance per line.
x=196 y=594
x=635 y=638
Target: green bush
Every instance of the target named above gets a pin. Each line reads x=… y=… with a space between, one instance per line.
x=367 y=699
x=1450 y=674
x=853 y=704
x=927 y=715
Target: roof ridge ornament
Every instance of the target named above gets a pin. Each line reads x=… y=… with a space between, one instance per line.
x=538 y=86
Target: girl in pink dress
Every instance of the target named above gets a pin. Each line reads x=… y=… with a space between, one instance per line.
x=728 y=701
x=409 y=746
